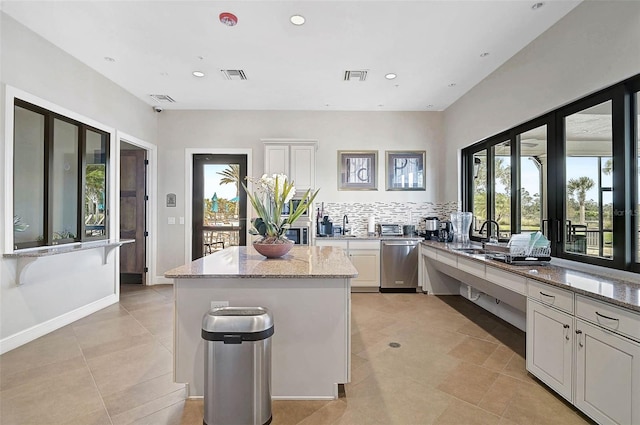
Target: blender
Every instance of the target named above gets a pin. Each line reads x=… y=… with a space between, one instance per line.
x=461 y=223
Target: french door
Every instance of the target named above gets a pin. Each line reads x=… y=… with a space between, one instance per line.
x=219 y=203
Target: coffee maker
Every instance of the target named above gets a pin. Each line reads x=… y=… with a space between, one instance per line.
x=446 y=232
x=432 y=228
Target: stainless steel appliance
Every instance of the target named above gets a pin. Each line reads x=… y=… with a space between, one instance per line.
x=286 y=211
x=399 y=269
x=432 y=228
x=298 y=234
x=387 y=229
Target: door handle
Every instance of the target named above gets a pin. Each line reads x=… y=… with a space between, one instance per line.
x=579 y=333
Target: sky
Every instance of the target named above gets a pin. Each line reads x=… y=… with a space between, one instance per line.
x=212 y=182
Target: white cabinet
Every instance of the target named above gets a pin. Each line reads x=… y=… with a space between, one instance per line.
x=550 y=346
x=607 y=375
x=365 y=256
x=604 y=355
x=296 y=159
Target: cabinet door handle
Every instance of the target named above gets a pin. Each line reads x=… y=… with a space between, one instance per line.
x=579 y=333
x=547 y=295
x=607 y=317
x=567 y=334
x=565 y=326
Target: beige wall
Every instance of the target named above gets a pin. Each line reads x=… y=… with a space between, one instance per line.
x=595 y=45
x=334 y=131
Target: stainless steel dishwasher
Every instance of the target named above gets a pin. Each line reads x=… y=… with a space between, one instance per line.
x=399 y=269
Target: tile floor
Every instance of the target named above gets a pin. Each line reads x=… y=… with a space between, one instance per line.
x=456 y=364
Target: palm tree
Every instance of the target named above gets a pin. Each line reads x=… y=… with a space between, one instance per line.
x=232 y=175
x=578 y=188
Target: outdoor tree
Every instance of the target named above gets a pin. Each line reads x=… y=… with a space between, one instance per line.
x=578 y=188
x=231 y=175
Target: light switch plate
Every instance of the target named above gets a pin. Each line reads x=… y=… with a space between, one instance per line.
x=181 y=220
x=171 y=220
x=216 y=304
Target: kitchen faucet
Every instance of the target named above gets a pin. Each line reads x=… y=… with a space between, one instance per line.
x=345 y=221
x=488 y=224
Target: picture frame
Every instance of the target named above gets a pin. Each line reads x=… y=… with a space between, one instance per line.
x=357 y=170
x=405 y=170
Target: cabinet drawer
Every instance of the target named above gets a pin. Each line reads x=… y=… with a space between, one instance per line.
x=430 y=252
x=550 y=295
x=372 y=245
x=507 y=280
x=448 y=258
x=608 y=316
x=475 y=268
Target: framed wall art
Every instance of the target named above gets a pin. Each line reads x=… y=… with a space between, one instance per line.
x=405 y=170
x=357 y=170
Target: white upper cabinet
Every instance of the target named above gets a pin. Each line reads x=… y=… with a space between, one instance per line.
x=295 y=158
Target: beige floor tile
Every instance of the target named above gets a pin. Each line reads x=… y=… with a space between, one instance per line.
x=499 y=359
x=192 y=412
x=107 y=331
x=58 y=399
x=148 y=409
x=140 y=394
x=53 y=348
x=473 y=350
x=468 y=382
x=500 y=394
x=125 y=364
x=461 y=413
x=10 y=379
x=288 y=412
x=170 y=415
x=118 y=371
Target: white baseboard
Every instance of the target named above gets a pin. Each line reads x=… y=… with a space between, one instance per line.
x=16 y=340
x=161 y=280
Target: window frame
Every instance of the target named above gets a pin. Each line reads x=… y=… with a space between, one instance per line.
x=49 y=117
x=624 y=178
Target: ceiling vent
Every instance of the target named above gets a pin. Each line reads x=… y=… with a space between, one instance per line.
x=162 y=98
x=234 y=74
x=355 y=75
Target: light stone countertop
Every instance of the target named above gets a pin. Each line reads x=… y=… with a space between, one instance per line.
x=620 y=292
x=306 y=262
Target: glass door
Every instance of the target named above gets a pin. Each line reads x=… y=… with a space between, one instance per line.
x=219 y=203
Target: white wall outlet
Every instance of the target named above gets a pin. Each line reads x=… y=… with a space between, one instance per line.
x=181 y=220
x=216 y=304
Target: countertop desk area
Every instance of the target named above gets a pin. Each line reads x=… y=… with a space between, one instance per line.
x=308 y=293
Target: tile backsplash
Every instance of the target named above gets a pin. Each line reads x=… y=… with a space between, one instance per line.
x=385 y=212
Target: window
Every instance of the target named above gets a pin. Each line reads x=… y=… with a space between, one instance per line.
x=60 y=178
x=588 y=181
x=573 y=174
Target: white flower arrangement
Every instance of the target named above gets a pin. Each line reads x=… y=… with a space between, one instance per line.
x=271 y=195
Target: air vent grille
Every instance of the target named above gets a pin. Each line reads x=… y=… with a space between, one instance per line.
x=162 y=98
x=359 y=75
x=234 y=74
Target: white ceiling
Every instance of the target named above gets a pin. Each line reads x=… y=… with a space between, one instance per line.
x=158 y=44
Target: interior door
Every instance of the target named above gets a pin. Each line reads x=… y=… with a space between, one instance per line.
x=133 y=215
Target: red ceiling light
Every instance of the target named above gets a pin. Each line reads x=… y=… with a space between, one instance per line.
x=229 y=19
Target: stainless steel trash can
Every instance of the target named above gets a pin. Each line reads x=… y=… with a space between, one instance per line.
x=237 y=366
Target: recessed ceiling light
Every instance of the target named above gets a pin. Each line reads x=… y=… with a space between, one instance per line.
x=390 y=76
x=109 y=59
x=484 y=55
x=537 y=5
x=297 y=20
x=229 y=19
x=452 y=85
x=198 y=74
x=429 y=106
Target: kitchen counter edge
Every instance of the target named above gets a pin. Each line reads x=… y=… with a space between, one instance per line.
x=557 y=275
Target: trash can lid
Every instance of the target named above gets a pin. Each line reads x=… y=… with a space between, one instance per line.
x=237 y=319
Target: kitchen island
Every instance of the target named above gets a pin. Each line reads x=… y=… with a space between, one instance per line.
x=308 y=293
